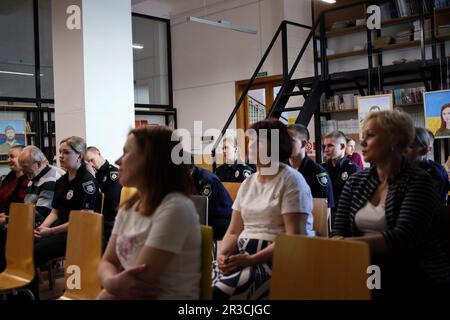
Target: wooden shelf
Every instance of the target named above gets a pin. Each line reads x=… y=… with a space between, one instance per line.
x=443 y=36
x=391 y=22
x=30 y=133
x=400 y=45
x=346 y=54
x=408 y=105
x=338 y=32
x=340 y=111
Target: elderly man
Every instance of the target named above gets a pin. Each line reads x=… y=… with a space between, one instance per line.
x=43 y=177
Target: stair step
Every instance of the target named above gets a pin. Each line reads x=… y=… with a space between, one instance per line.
x=291 y=109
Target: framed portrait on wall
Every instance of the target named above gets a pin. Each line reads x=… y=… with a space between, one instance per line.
x=437 y=112
x=12 y=133
x=367 y=104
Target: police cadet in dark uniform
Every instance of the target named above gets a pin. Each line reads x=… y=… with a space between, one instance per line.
x=76 y=190
x=416 y=154
x=219 y=201
x=315 y=175
x=233 y=170
x=107 y=177
x=338 y=166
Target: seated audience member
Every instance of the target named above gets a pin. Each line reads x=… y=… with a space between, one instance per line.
x=392 y=207
x=155 y=247
x=274 y=200
x=417 y=156
x=12 y=188
x=233 y=170
x=219 y=201
x=352 y=154
x=43 y=179
x=76 y=190
x=338 y=166
x=107 y=177
x=315 y=175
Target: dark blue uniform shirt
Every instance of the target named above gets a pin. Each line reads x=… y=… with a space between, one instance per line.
x=108 y=180
x=78 y=194
x=339 y=175
x=440 y=178
x=219 y=201
x=236 y=172
x=318 y=180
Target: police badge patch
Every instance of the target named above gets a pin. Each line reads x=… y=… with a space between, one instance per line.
x=89 y=187
x=104 y=179
x=247 y=173
x=206 y=191
x=114 y=175
x=69 y=195
x=344 y=176
x=236 y=174
x=322 y=179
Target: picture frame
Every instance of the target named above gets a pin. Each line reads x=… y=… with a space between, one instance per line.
x=436 y=106
x=374 y=103
x=12 y=132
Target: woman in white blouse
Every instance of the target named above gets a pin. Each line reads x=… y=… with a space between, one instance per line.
x=276 y=199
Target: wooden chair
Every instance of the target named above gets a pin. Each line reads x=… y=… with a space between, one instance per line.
x=232 y=188
x=319 y=269
x=321 y=214
x=201 y=204
x=206 y=279
x=126 y=194
x=19 y=250
x=102 y=201
x=83 y=254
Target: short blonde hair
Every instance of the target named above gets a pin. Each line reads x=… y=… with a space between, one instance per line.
x=397 y=124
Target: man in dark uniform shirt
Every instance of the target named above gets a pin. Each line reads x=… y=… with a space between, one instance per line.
x=219 y=201
x=233 y=170
x=417 y=155
x=315 y=175
x=339 y=167
x=107 y=177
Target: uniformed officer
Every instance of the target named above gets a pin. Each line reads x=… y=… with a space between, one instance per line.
x=76 y=190
x=219 y=201
x=315 y=175
x=233 y=170
x=417 y=153
x=338 y=166
x=107 y=177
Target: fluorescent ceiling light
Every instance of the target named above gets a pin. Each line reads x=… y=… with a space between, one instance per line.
x=329 y=1
x=137 y=46
x=19 y=73
x=222 y=24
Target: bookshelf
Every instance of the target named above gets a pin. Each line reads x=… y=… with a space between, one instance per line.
x=368 y=62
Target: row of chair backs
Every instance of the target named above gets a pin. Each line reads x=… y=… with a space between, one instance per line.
x=321 y=215
x=206 y=263
x=306 y=268
x=19 y=248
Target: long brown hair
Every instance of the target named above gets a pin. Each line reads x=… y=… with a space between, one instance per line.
x=159 y=171
x=443 y=123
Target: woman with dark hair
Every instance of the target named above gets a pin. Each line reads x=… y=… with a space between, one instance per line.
x=274 y=200
x=155 y=248
x=444 y=130
x=352 y=154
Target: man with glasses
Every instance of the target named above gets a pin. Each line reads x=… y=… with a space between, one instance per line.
x=339 y=167
x=43 y=177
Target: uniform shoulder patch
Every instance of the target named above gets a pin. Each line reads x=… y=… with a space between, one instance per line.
x=114 y=175
x=206 y=190
x=89 y=187
x=344 y=176
x=322 y=178
x=247 y=173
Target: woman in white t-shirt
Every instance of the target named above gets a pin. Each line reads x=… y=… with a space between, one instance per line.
x=274 y=200
x=155 y=248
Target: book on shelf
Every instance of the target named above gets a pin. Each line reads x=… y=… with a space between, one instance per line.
x=28 y=127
